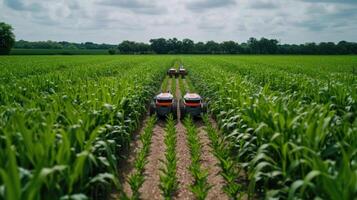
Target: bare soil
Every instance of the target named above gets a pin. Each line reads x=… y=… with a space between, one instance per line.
x=243 y=177
x=183 y=154
x=210 y=163
x=126 y=167
x=150 y=189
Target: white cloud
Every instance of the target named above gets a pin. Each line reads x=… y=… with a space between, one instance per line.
x=291 y=21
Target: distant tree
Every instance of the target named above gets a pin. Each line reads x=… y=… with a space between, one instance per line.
x=244 y=48
x=143 y=48
x=230 y=47
x=213 y=47
x=187 y=46
x=7 y=38
x=126 y=47
x=200 y=48
x=60 y=45
x=253 y=45
x=309 y=48
x=327 y=48
x=131 y=47
x=111 y=51
x=159 y=45
x=174 y=46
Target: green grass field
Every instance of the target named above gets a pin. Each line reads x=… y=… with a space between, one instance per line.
x=289 y=122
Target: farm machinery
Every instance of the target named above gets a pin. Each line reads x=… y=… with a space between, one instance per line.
x=172 y=72
x=192 y=104
x=163 y=104
x=182 y=71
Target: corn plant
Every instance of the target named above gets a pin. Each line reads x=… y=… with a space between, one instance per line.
x=173 y=87
x=230 y=169
x=137 y=178
x=190 y=88
x=168 y=179
x=65 y=123
x=165 y=84
x=200 y=186
x=295 y=135
x=182 y=86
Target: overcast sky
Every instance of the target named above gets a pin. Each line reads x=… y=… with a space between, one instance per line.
x=112 y=21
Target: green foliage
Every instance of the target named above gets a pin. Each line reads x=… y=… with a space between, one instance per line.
x=165 y=84
x=65 y=122
x=137 y=178
x=290 y=122
x=200 y=186
x=22 y=44
x=173 y=87
x=168 y=179
x=17 y=51
x=182 y=86
x=7 y=38
x=230 y=169
x=112 y=51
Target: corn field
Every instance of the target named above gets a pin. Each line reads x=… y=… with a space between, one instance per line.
x=287 y=124
x=292 y=123
x=64 y=122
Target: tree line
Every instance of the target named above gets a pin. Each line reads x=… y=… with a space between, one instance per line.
x=22 y=44
x=187 y=46
x=252 y=46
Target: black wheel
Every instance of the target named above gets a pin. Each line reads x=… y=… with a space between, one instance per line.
x=204 y=108
x=182 y=110
x=174 y=109
x=152 y=108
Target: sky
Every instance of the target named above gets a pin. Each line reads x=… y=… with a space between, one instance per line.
x=112 y=21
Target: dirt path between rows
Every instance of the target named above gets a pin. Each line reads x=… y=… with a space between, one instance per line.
x=210 y=162
x=243 y=179
x=150 y=189
x=183 y=154
x=127 y=168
